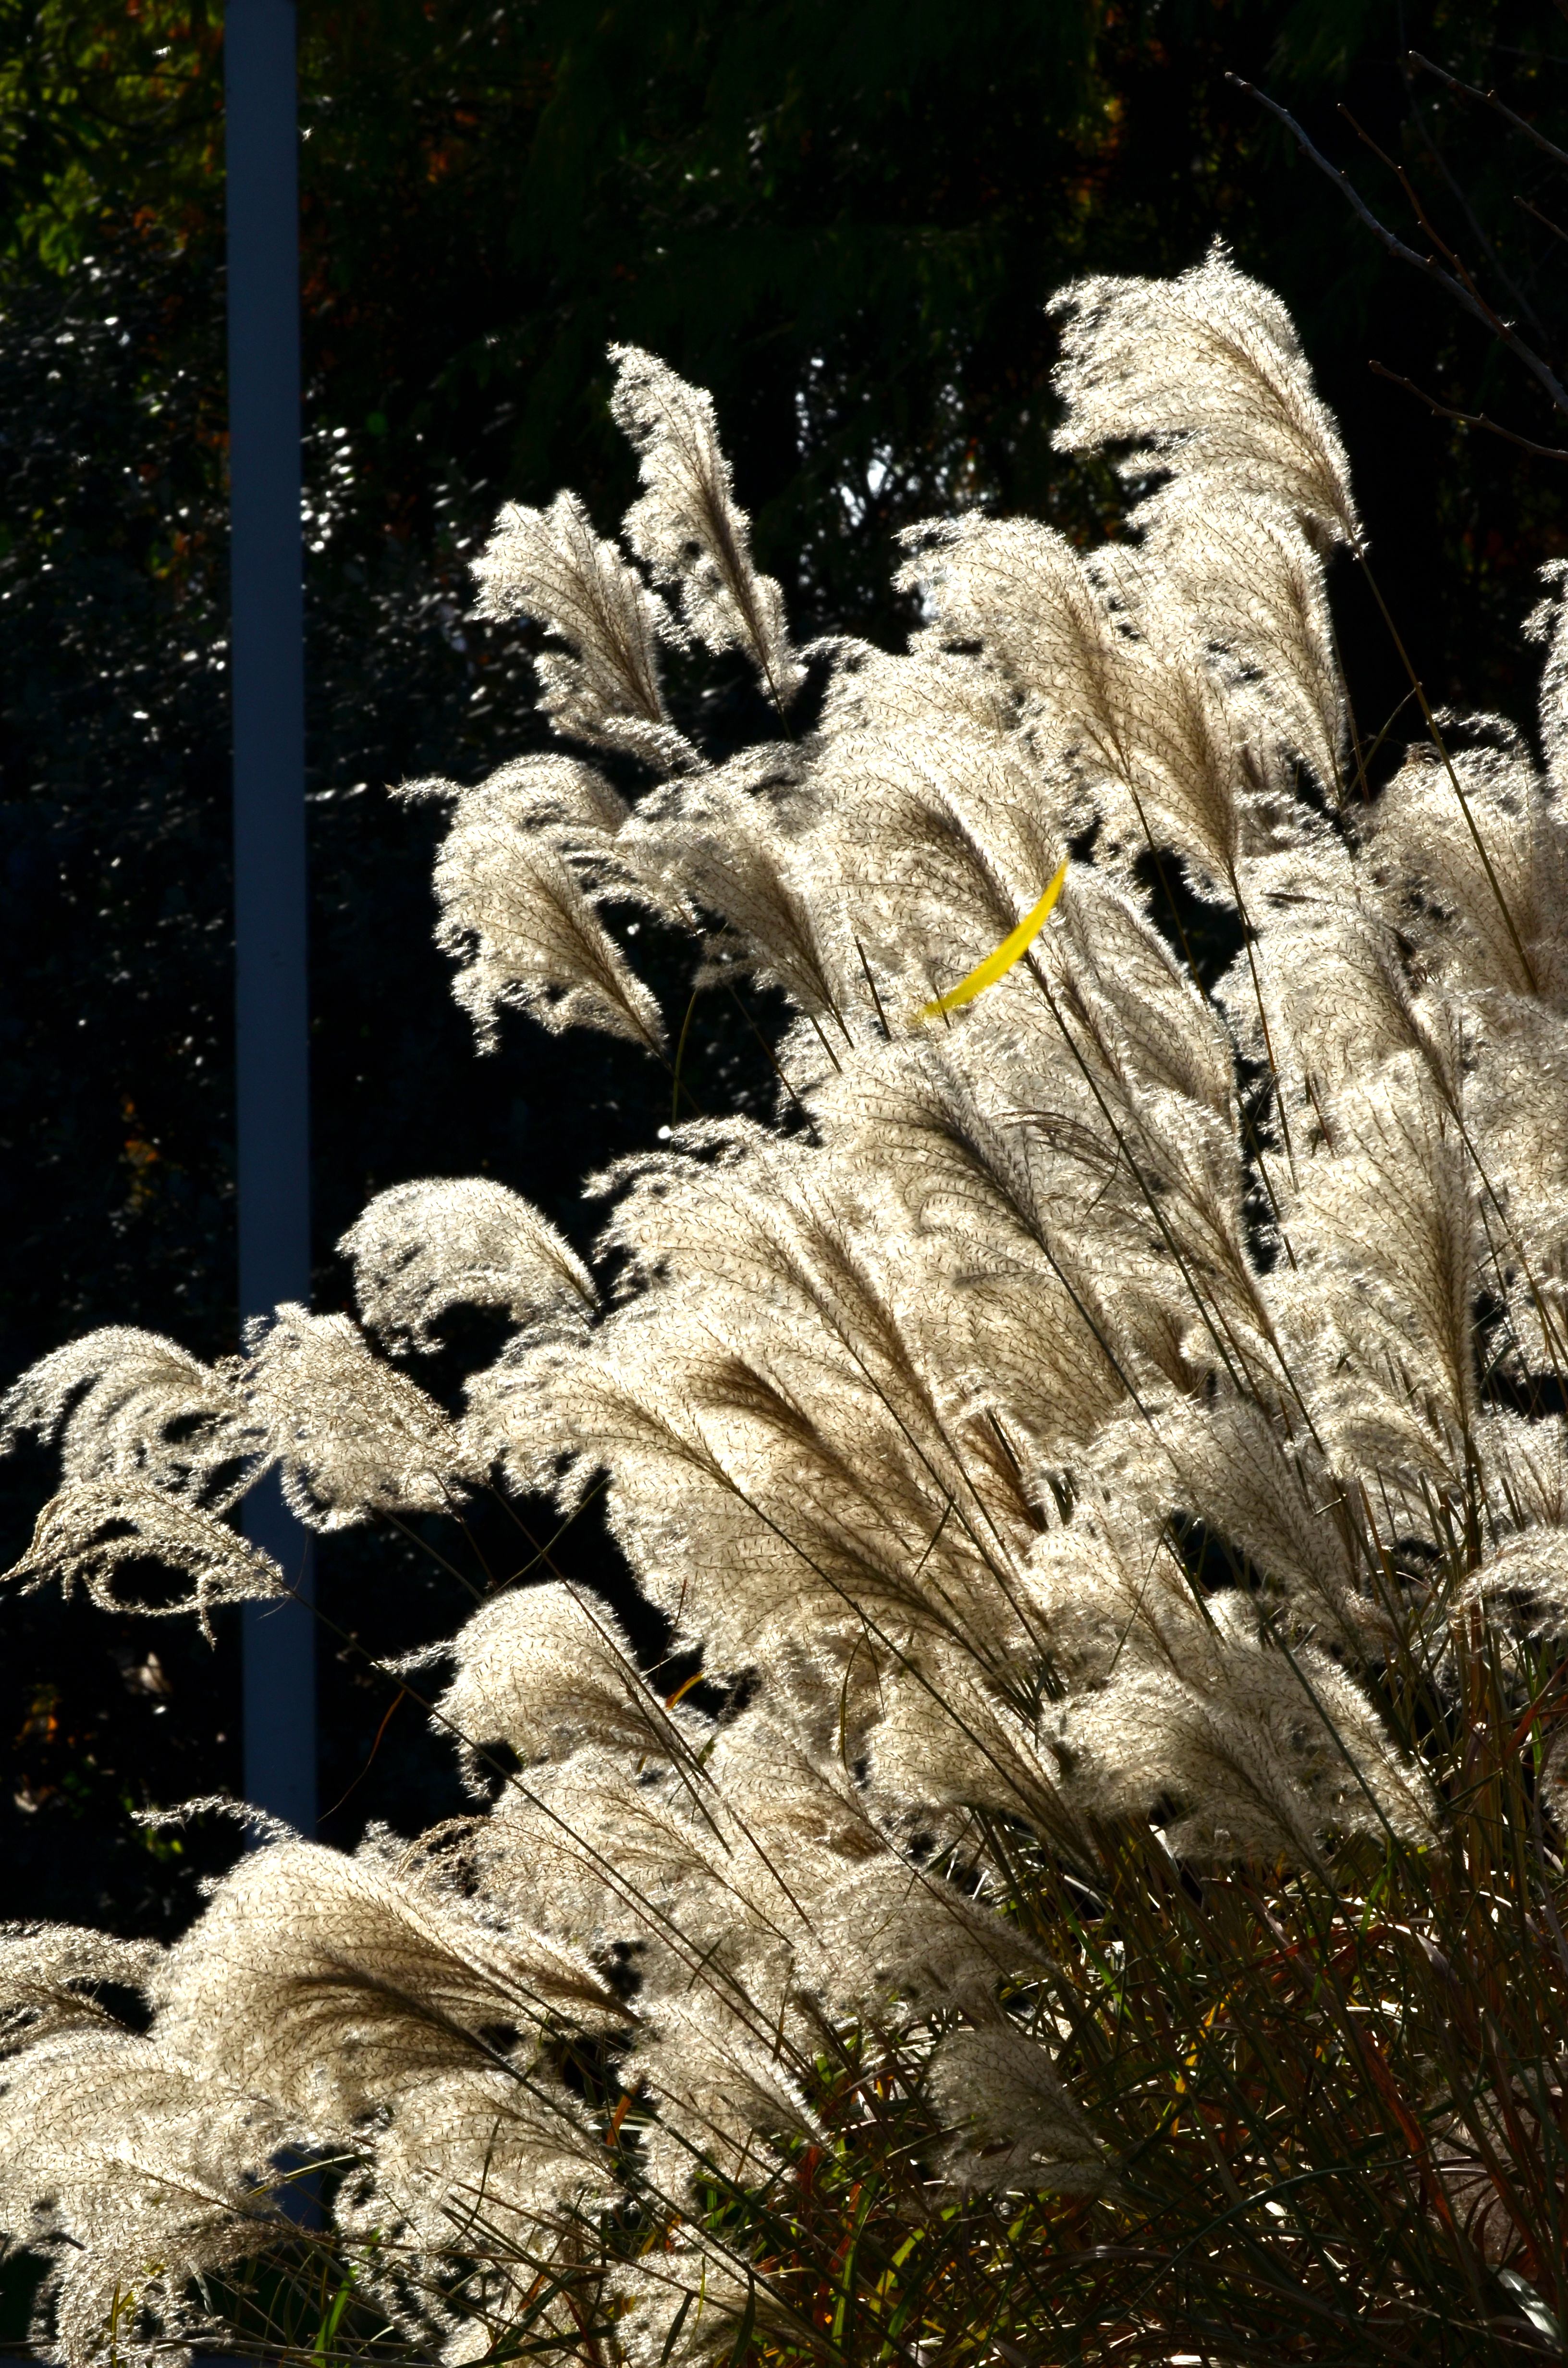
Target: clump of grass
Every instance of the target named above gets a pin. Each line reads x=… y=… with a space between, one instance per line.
x=1102 y=1448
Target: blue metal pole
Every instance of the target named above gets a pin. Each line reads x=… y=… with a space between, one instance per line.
x=267 y=676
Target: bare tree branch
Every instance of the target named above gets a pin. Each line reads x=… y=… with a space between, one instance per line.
x=1545 y=220
x=1468 y=418
x=1477 y=232
x=1490 y=98
x=1464 y=294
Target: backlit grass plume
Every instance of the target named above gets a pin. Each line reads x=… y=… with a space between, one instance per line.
x=1106 y=1441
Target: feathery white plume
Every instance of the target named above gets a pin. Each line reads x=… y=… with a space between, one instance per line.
x=526 y=931
x=136 y=2177
x=135 y=1407
x=353 y=1436
x=1206 y=375
x=687 y=526
x=1016 y=2124
x=88 y=1534
x=550 y=565
x=49 y=1975
x=421 y=1249
x=544 y=1668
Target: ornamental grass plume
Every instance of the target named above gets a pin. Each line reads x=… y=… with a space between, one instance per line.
x=1105 y=1440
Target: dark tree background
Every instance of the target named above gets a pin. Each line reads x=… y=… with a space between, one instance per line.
x=844 y=216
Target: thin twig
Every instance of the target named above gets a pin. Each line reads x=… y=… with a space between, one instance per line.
x=1477 y=232
x=1545 y=220
x=1467 y=418
x=1490 y=98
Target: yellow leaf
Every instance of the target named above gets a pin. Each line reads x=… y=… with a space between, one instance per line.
x=996 y=965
